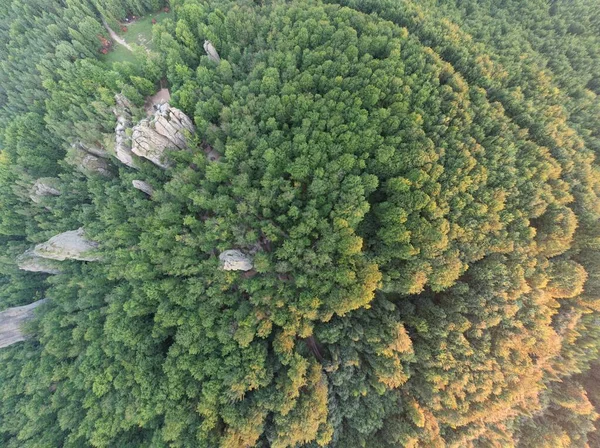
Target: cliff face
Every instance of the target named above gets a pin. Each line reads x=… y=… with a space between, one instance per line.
x=123 y=141
x=11 y=321
x=165 y=130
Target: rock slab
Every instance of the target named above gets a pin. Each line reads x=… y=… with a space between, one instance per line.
x=143 y=186
x=123 y=151
x=86 y=162
x=71 y=245
x=235 y=260
x=32 y=263
x=11 y=321
x=167 y=129
x=43 y=187
x=211 y=51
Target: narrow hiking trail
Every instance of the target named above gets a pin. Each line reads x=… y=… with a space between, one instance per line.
x=114 y=36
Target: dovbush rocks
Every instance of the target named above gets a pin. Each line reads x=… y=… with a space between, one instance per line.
x=419 y=202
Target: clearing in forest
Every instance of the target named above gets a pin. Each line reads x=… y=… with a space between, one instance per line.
x=138 y=32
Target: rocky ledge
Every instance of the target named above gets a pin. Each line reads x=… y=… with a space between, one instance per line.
x=235 y=260
x=167 y=129
x=12 y=320
x=44 y=187
x=71 y=245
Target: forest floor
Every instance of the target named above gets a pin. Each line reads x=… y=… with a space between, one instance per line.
x=139 y=32
x=162 y=96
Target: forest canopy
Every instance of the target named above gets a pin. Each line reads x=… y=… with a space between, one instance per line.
x=414 y=185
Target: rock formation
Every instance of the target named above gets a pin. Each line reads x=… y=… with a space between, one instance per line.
x=11 y=321
x=122 y=139
x=235 y=260
x=87 y=162
x=165 y=130
x=143 y=186
x=43 y=187
x=33 y=263
x=71 y=245
x=211 y=51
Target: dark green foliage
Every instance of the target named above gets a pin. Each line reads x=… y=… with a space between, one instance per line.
x=416 y=182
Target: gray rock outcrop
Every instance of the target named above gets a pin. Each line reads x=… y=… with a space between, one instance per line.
x=44 y=187
x=12 y=320
x=87 y=162
x=122 y=140
x=33 y=263
x=165 y=130
x=235 y=260
x=211 y=51
x=71 y=245
x=143 y=186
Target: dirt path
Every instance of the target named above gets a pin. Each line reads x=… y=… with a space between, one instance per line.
x=114 y=36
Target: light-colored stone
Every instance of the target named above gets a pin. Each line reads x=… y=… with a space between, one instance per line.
x=91 y=163
x=85 y=162
x=71 y=245
x=211 y=51
x=123 y=102
x=235 y=260
x=122 y=140
x=43 y=187
x=12 y=320
x=165 y=130
x=123 y=143
x=28 y=261
x=143 y=186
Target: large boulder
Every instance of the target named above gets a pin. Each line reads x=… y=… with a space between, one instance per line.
x=33 y=263
x=167 y=129
x=211 y=51
x=12 y=320
x=71 y=245
x=235 y=260
x=143 y=186
x=44 y=187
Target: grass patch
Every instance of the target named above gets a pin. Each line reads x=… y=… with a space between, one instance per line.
x=118 y=54
x=140 y=31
